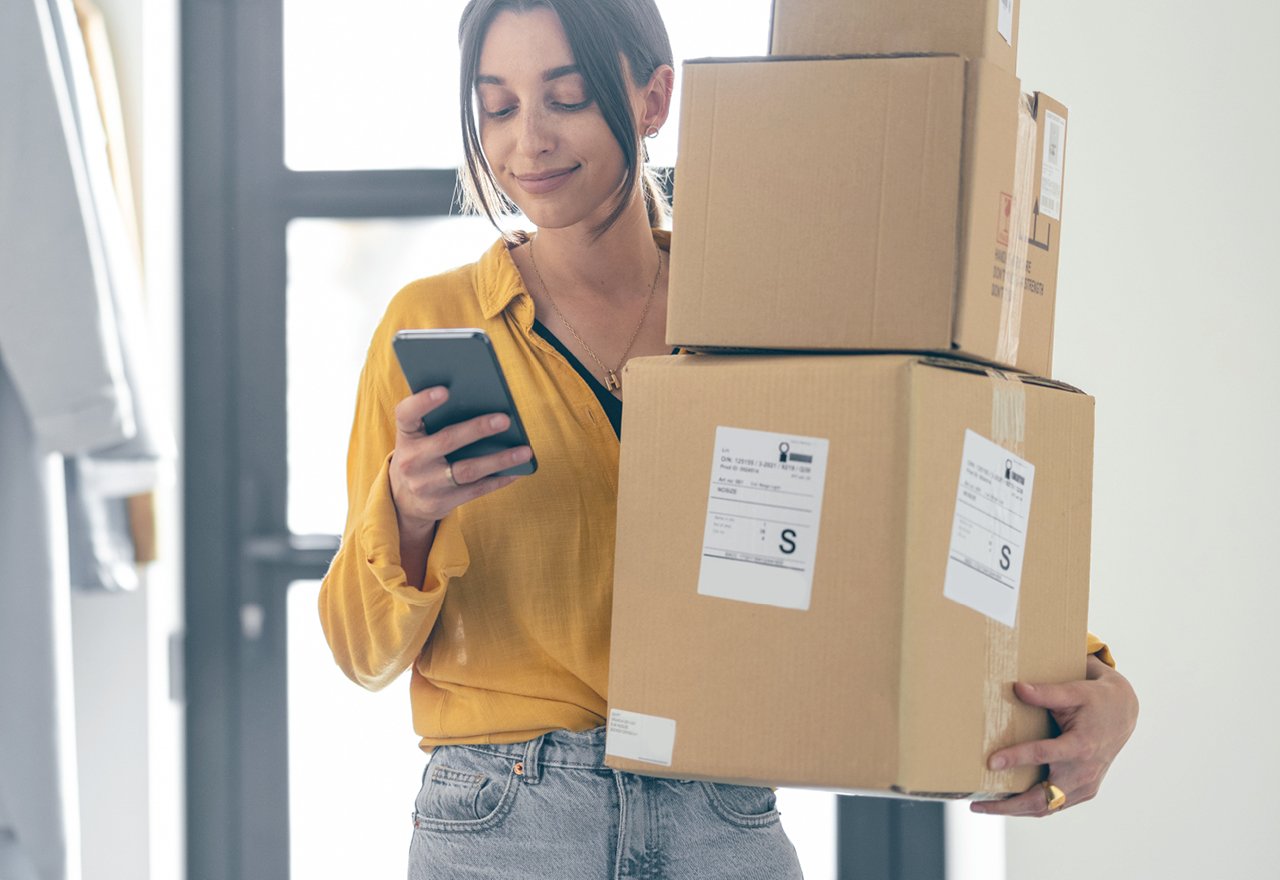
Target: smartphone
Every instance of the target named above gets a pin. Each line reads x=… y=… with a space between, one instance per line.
x=463 y=361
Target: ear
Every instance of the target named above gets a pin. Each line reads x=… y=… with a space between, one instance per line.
x=655 y=98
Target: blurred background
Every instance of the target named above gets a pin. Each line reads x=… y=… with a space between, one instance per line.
x=291 y=167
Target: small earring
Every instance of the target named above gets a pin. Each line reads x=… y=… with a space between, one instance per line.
x=651 y=131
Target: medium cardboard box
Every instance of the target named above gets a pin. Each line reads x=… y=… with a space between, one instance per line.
x=864 y=204
x=831 y=569
x=973 y=28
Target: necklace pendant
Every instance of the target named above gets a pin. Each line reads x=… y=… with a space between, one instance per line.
x=611 y=382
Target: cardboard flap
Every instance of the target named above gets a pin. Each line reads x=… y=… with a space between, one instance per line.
x=967 y=366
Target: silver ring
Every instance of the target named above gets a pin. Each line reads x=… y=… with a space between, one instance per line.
x=448 y=472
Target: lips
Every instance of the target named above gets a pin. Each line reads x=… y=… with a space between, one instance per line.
x=545 y=181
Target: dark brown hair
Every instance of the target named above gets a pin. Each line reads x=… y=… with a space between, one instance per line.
x=600 y=34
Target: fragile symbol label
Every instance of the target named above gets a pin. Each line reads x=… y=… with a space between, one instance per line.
x=1004 y=219
x=989 y=529
x=763 y=511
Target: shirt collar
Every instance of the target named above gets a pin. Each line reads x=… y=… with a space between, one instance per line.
x=499 y=282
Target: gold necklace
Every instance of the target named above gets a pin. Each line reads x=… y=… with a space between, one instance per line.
x=611 y=382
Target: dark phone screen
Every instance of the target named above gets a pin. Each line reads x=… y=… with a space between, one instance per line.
x=464 y=362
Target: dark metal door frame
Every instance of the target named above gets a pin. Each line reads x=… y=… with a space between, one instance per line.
x=238 y=197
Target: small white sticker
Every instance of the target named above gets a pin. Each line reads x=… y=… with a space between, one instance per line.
x=1004 y=21
x=639 y=737
x=989 y=531
x=1055 y=145
x=763 y=510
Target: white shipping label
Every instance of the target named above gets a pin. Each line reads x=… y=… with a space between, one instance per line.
x=989 y=531
x=1055 y=145
x=763 y=511
x=639 y=737
x=1004 y=20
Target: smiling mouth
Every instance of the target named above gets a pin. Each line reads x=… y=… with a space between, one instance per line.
x=544 y=181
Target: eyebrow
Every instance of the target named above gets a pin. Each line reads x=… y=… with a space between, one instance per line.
x=553 y=73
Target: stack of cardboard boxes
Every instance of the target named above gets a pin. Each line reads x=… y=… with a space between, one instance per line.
x=832 y=566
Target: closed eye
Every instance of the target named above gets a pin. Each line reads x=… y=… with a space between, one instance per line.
x=581 y=105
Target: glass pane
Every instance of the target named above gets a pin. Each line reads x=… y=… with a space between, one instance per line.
x=371 y=84
x=375 y=84
x=354 y=761
x=342 y=274
x=810 y=820
x=707 y=29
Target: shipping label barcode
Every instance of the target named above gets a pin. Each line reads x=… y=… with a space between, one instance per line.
x=764 y=506
x=1004 y=20
x=1055 y=143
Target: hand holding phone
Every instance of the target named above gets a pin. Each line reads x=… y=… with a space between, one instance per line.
x=459 y=435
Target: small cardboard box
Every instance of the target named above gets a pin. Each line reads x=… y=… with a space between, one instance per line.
x=863 y=204
x=974 y=28
x=831 y=569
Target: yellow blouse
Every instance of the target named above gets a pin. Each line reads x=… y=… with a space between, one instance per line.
x=505 y=644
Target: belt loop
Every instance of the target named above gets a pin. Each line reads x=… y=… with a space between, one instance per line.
x=532 y=772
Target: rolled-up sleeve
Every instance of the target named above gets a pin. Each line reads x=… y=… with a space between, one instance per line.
x=1098 y=646
x=375 y=621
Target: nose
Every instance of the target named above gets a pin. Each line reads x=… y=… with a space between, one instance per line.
x=537 y=135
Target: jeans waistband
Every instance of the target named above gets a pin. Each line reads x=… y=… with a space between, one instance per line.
x=560 y=748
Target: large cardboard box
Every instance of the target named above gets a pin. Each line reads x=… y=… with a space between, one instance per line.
x=831 y=569
x=975 y=28
x=865 y=204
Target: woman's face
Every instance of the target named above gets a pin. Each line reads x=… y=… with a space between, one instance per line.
x=550 y=148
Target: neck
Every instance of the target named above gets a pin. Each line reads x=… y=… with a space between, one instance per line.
x=583 y=265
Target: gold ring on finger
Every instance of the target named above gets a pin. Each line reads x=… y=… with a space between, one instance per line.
x=1055 y=796
x=448 y=472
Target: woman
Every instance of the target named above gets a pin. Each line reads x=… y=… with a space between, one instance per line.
x=500 y=600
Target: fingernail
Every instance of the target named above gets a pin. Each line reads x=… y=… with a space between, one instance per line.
x=436 y=393
x=999 y=762
x=1027 y=687
x=498 y=422
x=522 y=454
x=978 y=808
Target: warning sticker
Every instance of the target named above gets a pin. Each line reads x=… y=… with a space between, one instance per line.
x=638 y=737
x=763 y=511
x=1004 y=21
x=1055 y=144
x=1004 y=219
x=989 y=531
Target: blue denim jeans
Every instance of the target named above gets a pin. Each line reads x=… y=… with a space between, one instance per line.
x=549 y=809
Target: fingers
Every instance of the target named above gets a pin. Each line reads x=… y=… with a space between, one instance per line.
x=471 y=491
x=471 y=470
x=409 y=412
x=1071 y=746
x=1056 y=697
x=455 y=437
x=1032 y=802
x=1035 y=802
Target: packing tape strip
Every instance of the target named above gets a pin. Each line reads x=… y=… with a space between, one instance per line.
x=1008 y=412
x=1015 y=267
x=1008 y=429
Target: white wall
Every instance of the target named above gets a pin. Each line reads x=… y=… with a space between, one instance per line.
x=1168 y=310
x=128 y=730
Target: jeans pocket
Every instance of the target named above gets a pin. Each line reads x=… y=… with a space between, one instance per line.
x=465 y=789
x=743 y=805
